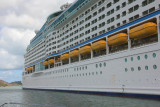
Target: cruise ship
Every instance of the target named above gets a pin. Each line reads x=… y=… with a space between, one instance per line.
x=109 y=47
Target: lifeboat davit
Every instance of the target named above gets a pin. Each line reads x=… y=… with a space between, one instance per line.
x=45 y=63
x=118 y=39
x=143 y=31
x=65 y=57
x=100 y=45
x=51 y=61
x=74 y=53
x=85 y=50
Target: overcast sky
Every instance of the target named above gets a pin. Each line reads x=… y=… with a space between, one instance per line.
x=18 y=21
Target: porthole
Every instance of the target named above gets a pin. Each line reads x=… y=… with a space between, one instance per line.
x=138 y=57
x=104 y=64
x=86 y=67
x=100 y=72
x=146 y=56
x=154 y=55
x=96 y=65
x=100 y=65
x=139 y=68
x=154 y=66
x=132 y=69
x=126 y=69
x=146 y=67
x=125 y=59
x=131 y=58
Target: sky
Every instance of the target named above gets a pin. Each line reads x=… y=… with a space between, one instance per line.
x=18 y=21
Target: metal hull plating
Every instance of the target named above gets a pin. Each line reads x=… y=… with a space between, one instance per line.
x=99 y=77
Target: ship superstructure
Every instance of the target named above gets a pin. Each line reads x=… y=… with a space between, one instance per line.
x=98 y=46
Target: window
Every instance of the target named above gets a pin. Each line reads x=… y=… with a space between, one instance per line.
x=136 y=7
x=118 y=16
x=124 y=13
x=115 y=1
x=131 y=10
x=144 y=3
x=146 y=67
x=124 y=22
x=112 y=19
x=138 y=57
x=132 y=69
x=139 y=68
x=136 y=16
x=118 y=24
x=151 y=9
x=109 y=5
x=154 y=55
x=112 y=11
x=154 y=66
x=131 y=1
x=123 y=4
x=108 y=13
x=145 y=13
x=146 y=56
x=131 y=19
x=117 y=8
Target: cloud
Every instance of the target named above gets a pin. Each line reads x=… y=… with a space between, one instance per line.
x=18 y=21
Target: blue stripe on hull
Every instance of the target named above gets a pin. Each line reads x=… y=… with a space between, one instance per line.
x=133 y=95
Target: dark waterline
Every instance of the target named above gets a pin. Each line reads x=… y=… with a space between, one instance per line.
x=58 y=99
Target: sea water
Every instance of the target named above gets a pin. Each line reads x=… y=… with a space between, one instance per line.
x=61 y=99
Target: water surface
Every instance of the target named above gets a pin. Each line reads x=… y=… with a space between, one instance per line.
x=59 y=99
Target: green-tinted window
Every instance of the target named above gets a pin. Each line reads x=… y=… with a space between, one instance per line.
x=139 y=68
x=131 y=58
x=125 y=59
x=132 y=69
x=126 y=69
x=100 y=72
x=138 y=57
x=104 y=64
x=100 y=65
x=146 y=67
x=96 y=65
x=154 y=66
x=154 y=55
x=146 y=56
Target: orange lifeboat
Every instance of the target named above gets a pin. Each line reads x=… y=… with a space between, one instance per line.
x=58 y=59
x=117 y=39
x=51 y=61
x=74 y=53
x=85 y=50
x=143 y=31
x=65 y=57
x=45 y=63
x=100 y=45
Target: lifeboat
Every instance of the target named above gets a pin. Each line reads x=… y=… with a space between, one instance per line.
x=74 y=53
x=31 y=68
x=58 y=59
x=45 y=63
x=27 y=69
x=51 y=61
x=100 y=45
x=65 y=57
x=143 y=31
x=85 y=50
x=117 y=39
